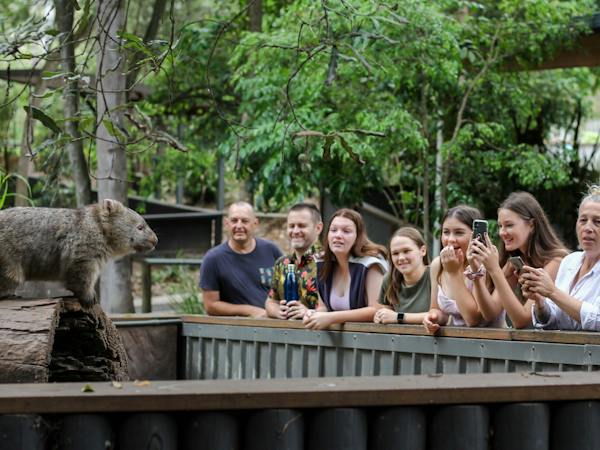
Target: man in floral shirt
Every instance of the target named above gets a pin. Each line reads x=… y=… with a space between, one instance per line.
x=304 y=225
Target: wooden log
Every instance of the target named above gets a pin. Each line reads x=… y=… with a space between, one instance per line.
x=56 y=340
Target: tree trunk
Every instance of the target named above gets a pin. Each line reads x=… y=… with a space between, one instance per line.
x=25 y=165
x=158 y=12
x=255 y=15
x=25 y=159
x=79 y=168
x=425 y=162
x=115 y=284
x=440 y=191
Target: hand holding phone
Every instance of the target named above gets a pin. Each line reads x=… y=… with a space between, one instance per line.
x=517 y=263
x=480 y=229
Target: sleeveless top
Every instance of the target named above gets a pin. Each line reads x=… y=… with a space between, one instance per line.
x=340 y=303
x=455 y=319
x=359 y=267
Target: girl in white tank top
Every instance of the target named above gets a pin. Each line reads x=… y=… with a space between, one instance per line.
x=452 y=302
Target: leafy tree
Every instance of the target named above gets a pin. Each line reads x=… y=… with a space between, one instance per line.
x=345 y=96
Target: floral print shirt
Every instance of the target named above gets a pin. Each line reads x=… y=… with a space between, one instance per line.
x=306 y=274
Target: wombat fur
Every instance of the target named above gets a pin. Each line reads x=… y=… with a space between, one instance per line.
x=68 y=245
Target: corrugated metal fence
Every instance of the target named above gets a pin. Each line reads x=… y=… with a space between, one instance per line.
x=238 y=349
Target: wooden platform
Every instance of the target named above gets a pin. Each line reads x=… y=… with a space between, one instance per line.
x=298 y=393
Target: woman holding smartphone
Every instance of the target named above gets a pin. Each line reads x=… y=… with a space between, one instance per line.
x=573 y=303
x=350 y=275
x=406 y=291
x=525 y=233
x=452 y=299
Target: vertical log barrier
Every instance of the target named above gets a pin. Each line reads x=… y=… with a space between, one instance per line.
x=148 y=431
x=522 y=425
x=338 y=429
x=402 y=428
x=23 y=432
x=211 y=431
x=460 y=427
x=274 y=429
x=576 y=425
x=86 y=431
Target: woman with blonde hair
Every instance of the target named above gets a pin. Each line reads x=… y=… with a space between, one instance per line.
x=573 y=303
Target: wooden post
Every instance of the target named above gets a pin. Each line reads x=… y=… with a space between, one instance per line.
x=399 y=428
x=146 y=287
x=23 y=432
x=576 y=425
x=86 y=431
x=274 y=429
x=148 y=431
x=211 y=430
x=522 y=425
x=338 y=429
x=460 y=427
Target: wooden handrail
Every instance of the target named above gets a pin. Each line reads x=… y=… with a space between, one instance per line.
x=505 y=334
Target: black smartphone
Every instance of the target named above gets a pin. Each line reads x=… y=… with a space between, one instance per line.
x=516 y=262
x=480 y=228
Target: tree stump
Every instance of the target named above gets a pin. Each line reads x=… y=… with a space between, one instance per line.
x=56 y=340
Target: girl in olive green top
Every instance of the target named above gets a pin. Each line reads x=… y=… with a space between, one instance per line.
x=406 y=291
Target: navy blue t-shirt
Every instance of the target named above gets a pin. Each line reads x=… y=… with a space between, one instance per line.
x=242 y=279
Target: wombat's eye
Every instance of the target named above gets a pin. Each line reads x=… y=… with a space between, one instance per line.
x=140 y=227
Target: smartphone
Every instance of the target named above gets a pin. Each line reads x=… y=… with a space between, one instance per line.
x=480 y=228
x=517 y=262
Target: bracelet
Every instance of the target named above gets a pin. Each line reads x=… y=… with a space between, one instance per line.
x=474 y=275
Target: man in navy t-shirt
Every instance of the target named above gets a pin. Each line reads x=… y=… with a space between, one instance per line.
x=235 y=276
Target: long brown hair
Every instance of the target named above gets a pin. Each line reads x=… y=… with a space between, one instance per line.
x=543 y=244
x=396 y=279
x=464 y=214
x=362 y=245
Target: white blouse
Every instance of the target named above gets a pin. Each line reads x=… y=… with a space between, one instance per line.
x=586 y=290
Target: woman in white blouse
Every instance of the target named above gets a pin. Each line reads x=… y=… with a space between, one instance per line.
x=573 y=303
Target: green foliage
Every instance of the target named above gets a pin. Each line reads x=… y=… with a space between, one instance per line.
x=5 y=187
x=181 y=285
x=342 y=97
x=322 y=70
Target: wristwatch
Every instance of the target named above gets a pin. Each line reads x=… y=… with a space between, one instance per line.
x=400 y=317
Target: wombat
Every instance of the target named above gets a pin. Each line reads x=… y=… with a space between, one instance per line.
x=68 y=245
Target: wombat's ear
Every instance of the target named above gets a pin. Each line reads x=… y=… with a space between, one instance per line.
x=110 y=205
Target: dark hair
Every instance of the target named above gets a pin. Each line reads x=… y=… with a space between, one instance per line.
x=315 y=214
x=396 y=277
x=362 y=246
x=543 y=244
x=464 y=214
